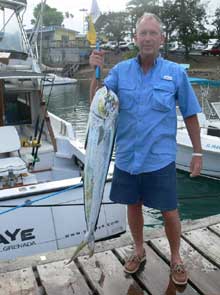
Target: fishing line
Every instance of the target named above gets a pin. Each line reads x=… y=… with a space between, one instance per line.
x=28 y=203
x=51 y=205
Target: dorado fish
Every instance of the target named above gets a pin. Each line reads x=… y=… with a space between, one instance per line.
x=99 y=145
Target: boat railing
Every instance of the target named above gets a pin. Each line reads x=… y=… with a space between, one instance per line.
x=208 y=109
x=216 y=107
x=208 y=93
x=61 y=127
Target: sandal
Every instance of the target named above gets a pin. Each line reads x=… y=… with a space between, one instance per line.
x=134 y=262
x=178 y=274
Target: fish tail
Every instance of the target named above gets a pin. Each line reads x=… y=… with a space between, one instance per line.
x=78 y=249
x=91 y=246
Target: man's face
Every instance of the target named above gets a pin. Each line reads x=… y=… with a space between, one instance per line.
x=149 y=37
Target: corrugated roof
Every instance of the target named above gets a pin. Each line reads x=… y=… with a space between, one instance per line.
x=52 y=29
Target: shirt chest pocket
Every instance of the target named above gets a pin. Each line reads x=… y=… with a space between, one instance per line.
x=126 y=95
x=163 y=99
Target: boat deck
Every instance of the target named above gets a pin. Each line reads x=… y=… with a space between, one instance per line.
x=103 y=273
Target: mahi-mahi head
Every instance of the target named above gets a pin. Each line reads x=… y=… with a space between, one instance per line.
x=100 y=140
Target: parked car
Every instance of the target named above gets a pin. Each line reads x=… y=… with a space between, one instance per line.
x=172 y=46
x=124 y=46
x=211 y=50
x=131 y=45
x=198 y=46
x=109 y=45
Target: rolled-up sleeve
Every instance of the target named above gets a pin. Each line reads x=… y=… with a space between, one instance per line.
x=186 y=97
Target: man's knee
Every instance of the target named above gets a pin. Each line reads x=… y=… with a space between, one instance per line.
x=172 y=215
x=134 y=208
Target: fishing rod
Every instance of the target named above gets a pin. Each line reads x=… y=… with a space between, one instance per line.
x=34 y=141
x=45 y=117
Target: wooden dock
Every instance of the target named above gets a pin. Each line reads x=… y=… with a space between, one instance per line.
x=103 y=273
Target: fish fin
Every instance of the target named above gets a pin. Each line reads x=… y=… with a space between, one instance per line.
x=86 y=140
x=78 y=249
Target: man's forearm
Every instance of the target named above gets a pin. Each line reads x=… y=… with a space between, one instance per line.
x=193 y=128
x=94 y=86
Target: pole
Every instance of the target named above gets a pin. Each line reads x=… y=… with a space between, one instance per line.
x=83 y=10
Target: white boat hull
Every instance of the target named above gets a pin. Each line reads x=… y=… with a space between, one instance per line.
x=54 y=223
x=211 y=167
x=54 y=80
x=40 y=159
x=211 y=153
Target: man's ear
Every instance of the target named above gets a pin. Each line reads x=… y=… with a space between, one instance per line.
x=135 y=38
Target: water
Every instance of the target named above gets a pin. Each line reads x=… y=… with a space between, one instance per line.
x=197 y=197
x=71 y=103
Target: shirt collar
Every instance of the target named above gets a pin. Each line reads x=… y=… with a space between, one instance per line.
x=138 y=59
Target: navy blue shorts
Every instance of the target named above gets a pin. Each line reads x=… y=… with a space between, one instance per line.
x=155 y=189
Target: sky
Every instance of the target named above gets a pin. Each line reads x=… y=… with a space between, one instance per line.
x=74 y=7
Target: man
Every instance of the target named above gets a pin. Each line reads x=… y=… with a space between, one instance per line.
x=148 y=88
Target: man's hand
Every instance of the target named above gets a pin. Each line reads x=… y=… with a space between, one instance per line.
x=195 y=166
x=96 y=59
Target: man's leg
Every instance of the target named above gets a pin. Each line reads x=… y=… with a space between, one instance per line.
x=136 y=224
x=173 y=231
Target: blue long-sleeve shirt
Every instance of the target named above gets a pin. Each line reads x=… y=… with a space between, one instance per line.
x=147 y=124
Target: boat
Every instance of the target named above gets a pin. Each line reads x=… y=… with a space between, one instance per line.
x=209 y=121
x=41 y=161
x=55 y=80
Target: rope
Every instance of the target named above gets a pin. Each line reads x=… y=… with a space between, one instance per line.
x=40 y=199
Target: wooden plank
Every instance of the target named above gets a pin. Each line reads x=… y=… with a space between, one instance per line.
x=124 y=240
x=203 y=274
x=156 y=274
x=215 y=228
x=207 y=242
x=57 y=278
x=19 y=282
x=105 y=272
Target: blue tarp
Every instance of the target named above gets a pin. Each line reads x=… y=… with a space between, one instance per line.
x=204 y=82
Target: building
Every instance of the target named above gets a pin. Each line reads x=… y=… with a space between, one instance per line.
x=62 y=46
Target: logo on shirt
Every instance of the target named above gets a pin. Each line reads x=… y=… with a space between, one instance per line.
x=168 y=78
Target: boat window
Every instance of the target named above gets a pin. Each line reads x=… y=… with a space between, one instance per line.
x=10 y=32
x=17 y=108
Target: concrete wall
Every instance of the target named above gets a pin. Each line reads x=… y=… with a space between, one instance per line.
x=61 y=56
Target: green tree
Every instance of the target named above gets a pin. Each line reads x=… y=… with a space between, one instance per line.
x=168 y=17
x=136 y=8
x=190 y=20
x=51 y=16
x=112 y=25
x=216 y=22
